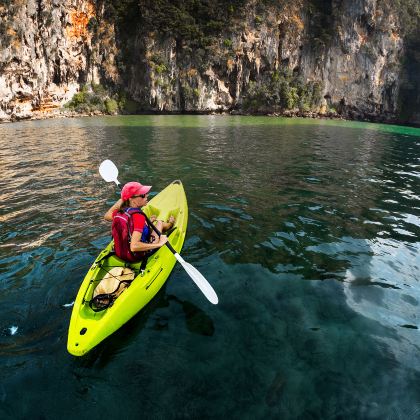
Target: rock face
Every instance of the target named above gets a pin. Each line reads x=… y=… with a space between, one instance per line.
x=344 y=57
x=361 y=67
x=46 y=55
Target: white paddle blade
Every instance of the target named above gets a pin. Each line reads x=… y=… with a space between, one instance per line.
x=108 y=171
x=199 y=280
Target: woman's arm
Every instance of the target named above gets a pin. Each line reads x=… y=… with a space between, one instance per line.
x=137 y=246
x=116 y=206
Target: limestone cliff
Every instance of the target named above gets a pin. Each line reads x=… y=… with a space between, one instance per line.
x=355 y=58
x=47 y=53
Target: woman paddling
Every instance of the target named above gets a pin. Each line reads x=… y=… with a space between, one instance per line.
x=134 y=239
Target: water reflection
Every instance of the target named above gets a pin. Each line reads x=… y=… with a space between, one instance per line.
x=307 y=230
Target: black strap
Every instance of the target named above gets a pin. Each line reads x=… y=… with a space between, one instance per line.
x=105 y=300
x=143 y=264
x=150 y=223
x=108 y=254
x=171 y=248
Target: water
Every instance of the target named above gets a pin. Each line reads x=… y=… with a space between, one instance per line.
x=308 y=230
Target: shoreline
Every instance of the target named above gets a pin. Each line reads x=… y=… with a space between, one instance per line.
x=285 y=114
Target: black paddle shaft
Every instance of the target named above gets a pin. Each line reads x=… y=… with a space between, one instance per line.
x=157 y=231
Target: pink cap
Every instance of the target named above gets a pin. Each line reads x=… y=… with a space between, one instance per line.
x=134 y=188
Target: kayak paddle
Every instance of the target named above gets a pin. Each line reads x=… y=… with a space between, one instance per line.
x=109 y=172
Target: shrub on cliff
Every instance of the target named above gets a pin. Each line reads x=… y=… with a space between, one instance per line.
x=79 y=100
x=111 y=106
x=92 y=99
x=284 y=91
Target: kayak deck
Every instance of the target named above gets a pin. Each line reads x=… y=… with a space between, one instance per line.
x=87 y=327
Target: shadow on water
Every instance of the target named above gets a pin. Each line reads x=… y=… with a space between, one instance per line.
x=196 y=321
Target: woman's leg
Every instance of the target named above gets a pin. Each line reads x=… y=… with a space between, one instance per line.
x=162 y=226
x=168 y=225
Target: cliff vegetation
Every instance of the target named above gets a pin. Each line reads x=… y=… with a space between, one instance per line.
x=349 y=59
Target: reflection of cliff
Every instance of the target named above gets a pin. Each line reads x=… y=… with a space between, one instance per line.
x=356 y=59
x=289 y=193
x=50 y=182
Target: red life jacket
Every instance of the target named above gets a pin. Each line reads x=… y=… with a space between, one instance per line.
x=122 y=230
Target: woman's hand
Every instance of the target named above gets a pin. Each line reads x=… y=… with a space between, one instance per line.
x=136 y=244
x=162 y=240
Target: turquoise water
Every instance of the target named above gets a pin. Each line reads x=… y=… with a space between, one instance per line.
x=308 y=230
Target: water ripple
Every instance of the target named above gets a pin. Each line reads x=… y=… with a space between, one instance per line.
x=308 y=231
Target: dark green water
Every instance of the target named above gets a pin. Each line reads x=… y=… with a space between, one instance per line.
x=308 y=231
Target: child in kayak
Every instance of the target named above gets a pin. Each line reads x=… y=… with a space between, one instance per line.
x=133 y=238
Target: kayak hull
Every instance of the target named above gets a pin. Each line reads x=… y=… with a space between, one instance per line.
x=87 y=327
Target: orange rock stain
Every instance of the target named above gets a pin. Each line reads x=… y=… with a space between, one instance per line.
x=229 y=64
x=191 y=72
x=298 y=22
x=394 y=36
x=79 y=20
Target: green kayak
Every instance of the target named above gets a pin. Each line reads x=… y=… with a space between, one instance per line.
x=87 y=327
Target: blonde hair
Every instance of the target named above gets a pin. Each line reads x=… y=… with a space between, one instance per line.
x=124 y=205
